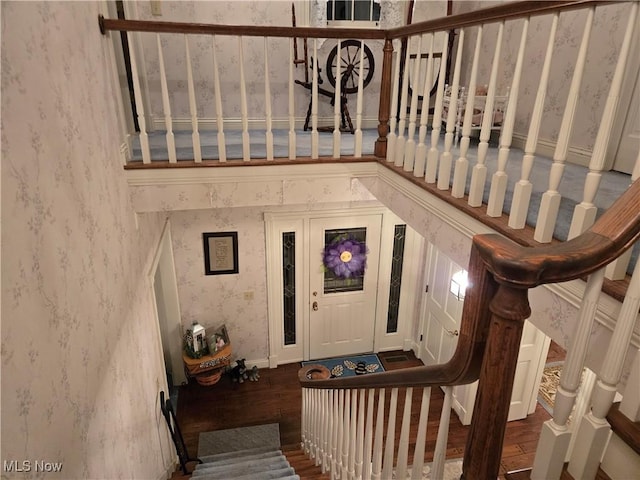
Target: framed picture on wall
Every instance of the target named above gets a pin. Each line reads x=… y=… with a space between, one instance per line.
x=220 y=253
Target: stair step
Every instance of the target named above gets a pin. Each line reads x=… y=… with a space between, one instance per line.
x=243 y=468
x=267 y=474
x=241 y=459
x=236 y=453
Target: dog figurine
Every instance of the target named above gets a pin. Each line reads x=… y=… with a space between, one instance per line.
x=239 y=372
x=254 y=374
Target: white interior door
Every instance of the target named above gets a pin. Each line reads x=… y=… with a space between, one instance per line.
x=441 y=316
x=342 y=310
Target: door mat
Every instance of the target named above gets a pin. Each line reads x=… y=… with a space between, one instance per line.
x=348 y=366
x=234 y=439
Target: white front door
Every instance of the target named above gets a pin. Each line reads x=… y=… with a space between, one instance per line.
x=342 y=299
x=441 y=316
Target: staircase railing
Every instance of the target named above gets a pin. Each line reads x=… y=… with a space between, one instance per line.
x=501 y=272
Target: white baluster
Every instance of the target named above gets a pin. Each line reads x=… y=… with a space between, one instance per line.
x=166 y=105
x=555 y=436
x=267 y=102
x=360 y=436
x=585 y=212
x=403 y=444
x=391 y=136
x=376 y=467
x=368 y=436
x=337 y=106
x=617 y=270
x=246 y=141
x=314 y=102
x=353 y=434
x=387 y=463
x=421 y=436
x=479 y=172
x=222 y=149
x=550 y=202
x=334 y=434
x=593 y=433
x=304 y=414
x=326 y=464
x=410 y=146
x=324 y=424
x=522 y=190
x=193 y=109
x=462 y=164
x=142 y=122
x=630 y=404
x=340 y=433
x=402 y=116
x=421 y=149
x=444 y=173
x=499 y=179
x=344 y=463
x=359 y=101
x=292 y=105
x=439 y=454
x=314 y=425
x=432 y=157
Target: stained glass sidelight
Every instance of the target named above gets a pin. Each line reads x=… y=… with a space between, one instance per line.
x=289 y=286
x=396 y=277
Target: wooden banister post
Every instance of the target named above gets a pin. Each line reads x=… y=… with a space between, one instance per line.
x=510 y=308
x=385 y=98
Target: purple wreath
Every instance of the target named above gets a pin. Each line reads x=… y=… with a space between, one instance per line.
x=346 y=257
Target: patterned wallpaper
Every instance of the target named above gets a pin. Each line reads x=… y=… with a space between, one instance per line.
x=81 y=364
x=606 y=37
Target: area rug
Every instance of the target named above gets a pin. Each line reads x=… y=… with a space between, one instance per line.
x=348 y=366
x=234 y=439
x=549 y=385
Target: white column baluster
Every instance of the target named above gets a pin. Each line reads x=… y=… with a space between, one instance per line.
x=479 y=172
x=387 y=463
x=222 y=149
x=313 y=424
x=410 y=146
x=267 y=101
x=326 y=413
x=353 y=434
x=335 y=434
x=368 y=436
x=550 y=202
x=403 y=444
x=555 y=436
x=462 y=164
x=337 y=106
x=439 y=454
x=421 y=436
x=593 y=433
x=499 y=180
x=314 y=102
x=166 y=105
x=292 y=109
x=402 y=116
x=585 y=212
x=444 y=172
x=360 y=436
x=142 y=123
x=391 y=136
x=340 y=433
x=376 y=467
x=246 y=141
x=344 y=463
x=304 y=414
x=432 y=157
x=359 y=101
x=522 y=190
x=193 y=109
x=421 y=149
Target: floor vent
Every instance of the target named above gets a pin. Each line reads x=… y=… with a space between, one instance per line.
x=397 y=358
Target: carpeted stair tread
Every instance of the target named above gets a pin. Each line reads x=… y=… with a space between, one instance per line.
x=218 y=457
x=242 y=468
x=270 y=474
x=241 y=459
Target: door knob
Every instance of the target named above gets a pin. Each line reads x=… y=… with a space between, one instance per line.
x=455 y=333
x=315 y=306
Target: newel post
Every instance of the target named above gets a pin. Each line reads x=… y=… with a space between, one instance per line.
x=380 y=150
x=509 y=308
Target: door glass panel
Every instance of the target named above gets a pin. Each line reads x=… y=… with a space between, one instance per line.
x=396 y=278
x=289 y=286
x=344 y=259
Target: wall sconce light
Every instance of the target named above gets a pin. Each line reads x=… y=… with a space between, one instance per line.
x=459 y=283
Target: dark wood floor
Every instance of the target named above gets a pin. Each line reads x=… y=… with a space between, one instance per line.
x=276 y=398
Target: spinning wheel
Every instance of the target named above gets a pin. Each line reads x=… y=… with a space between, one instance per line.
x=350 y=64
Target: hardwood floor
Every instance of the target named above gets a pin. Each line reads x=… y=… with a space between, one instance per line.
x=276 y=398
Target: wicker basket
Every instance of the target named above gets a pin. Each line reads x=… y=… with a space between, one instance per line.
x=209 y=378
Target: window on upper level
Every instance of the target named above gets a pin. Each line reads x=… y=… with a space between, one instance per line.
x=353 y=13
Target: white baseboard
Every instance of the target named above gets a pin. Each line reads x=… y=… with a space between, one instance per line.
x=181 y=124
x=169 y=470
x=546 y=148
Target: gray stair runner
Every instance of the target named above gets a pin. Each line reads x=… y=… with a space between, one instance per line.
x=249 y=464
